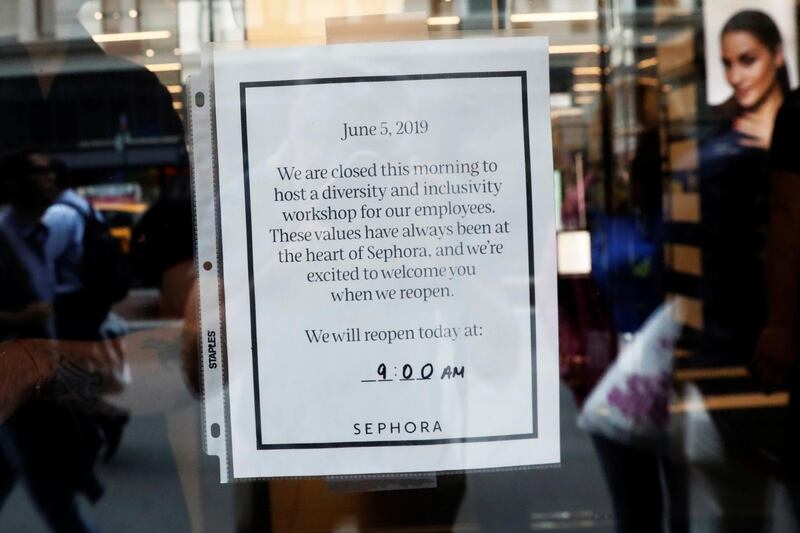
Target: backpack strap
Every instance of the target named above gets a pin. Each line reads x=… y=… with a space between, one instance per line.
x=77 y=208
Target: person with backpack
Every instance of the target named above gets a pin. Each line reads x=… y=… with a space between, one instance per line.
x=91 y=275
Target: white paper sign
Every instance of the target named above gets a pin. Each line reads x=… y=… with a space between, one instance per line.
x=386 y=226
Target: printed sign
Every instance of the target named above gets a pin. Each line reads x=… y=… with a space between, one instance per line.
x=386 y=259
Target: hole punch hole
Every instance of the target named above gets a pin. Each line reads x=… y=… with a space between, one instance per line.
x=199 y=99
x=207 y=265
x=215 y=430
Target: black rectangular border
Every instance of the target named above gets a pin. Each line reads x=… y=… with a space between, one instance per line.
x=243 y=86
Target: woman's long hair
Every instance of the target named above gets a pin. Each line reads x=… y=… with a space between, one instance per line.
x=763 y=28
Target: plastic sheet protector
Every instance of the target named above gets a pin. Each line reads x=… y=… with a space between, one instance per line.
x=376 y=258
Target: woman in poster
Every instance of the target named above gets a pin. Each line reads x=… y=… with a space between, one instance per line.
x=734 y=187
x=755 y=68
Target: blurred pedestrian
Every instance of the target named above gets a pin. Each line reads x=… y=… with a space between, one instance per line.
x=51 y=446
x=776 y=362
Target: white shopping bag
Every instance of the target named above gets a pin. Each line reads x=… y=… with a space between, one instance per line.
x=630 y=404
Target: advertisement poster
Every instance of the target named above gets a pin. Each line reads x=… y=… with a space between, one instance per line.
x=717 y=15
x=386 y=240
